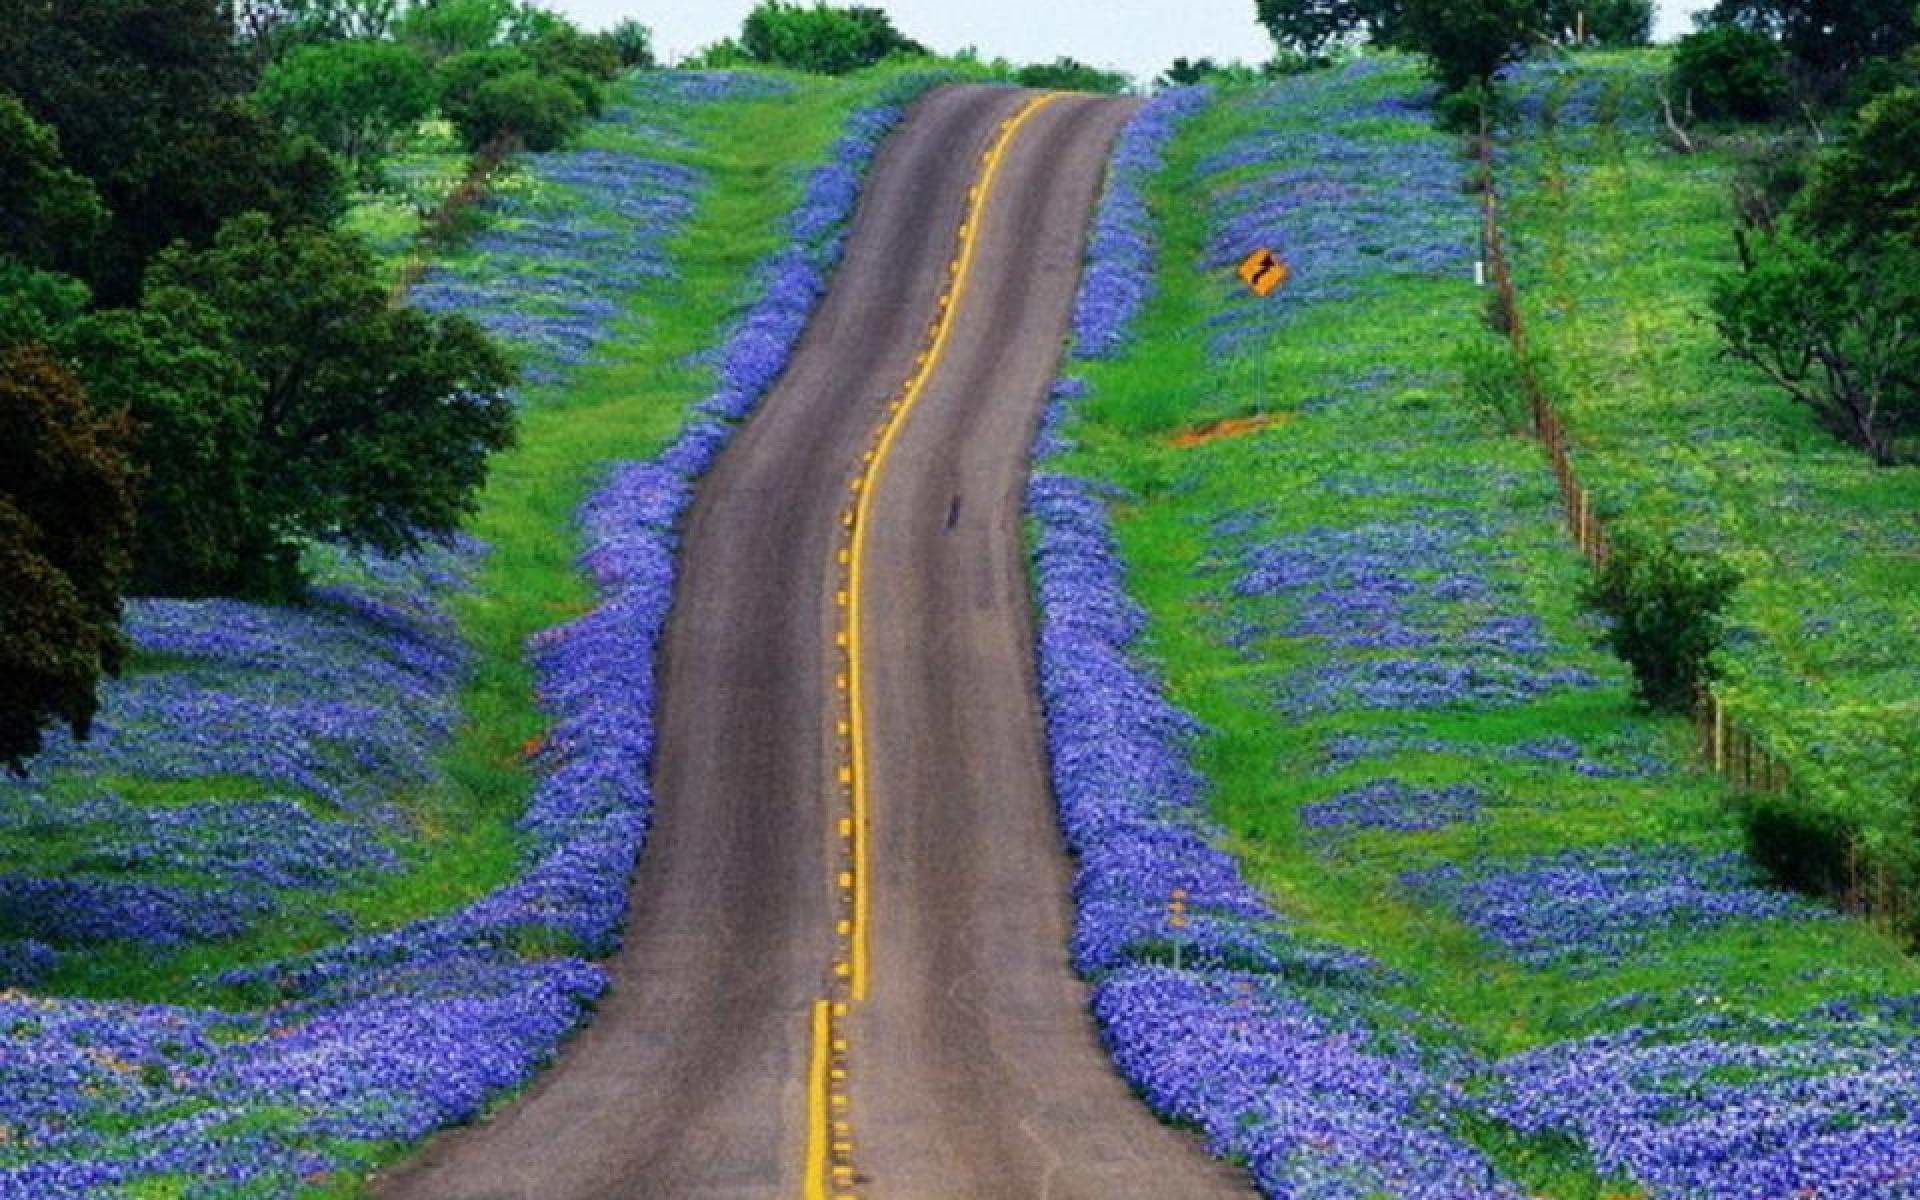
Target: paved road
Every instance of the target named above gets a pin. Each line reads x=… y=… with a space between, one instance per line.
x=974 y=1069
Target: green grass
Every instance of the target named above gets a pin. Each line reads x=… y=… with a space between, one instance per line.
x=1619 y=240
x=1345 y=424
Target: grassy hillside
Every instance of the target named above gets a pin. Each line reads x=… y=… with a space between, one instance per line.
x=324 y=879
x=1619 y=240
x=1517 y=928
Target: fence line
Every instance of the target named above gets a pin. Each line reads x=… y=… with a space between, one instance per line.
x=486 y=162
x=1734 y=751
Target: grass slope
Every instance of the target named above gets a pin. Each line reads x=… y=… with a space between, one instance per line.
x=1619 y=242
x=1367 y=599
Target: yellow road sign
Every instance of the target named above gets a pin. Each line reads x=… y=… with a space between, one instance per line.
x=1264 y=271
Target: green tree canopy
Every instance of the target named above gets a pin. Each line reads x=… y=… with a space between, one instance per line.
x=441 y=29
x=49 y=215
x=149 y=98
x=369 y=423
x=1467 y=41
x=1071 y=75
x=353 y=97
x=1827 y=40
x=66 y=514
x=1310 y=28
x=1869 y=186
x=822 y=39
x=1725 y=72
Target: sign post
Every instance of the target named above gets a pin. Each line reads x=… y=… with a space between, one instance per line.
x=1263 y=272
x=1177 y=921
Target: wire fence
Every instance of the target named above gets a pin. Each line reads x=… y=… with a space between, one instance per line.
x=1735 y=752
x=473 y=188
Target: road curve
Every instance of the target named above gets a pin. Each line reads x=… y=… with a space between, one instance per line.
x=692 y=1079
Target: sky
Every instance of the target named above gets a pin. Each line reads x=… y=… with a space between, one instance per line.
x=1137 y=36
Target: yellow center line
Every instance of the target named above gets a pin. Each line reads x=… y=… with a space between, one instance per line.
x=943 y=330
x=826 y=1065
x=817 y=1104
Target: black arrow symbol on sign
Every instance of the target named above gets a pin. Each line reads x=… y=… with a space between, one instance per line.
x=1268 y=266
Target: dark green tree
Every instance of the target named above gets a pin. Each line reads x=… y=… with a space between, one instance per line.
x=1827 y=40
x=1310 y=28
x=150 y=101
x=371 y=423
x=822 y=39
x=1729 y=73
x=1836 y=331
x=194 y=414
x=1868 y=187
x=1466 y=41
x=632 y=42
x=49 y=215
x=353 y=97
x=540 y=111
x=1665 y=608
x=66 y=513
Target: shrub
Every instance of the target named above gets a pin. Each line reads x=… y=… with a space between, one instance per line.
x=1492 y=382
x=1665 y=609
x=1728 y=73
x=541 y=111
x=1869 y=187
x=1467 y=41
x=821 y=39
x=1071 y=75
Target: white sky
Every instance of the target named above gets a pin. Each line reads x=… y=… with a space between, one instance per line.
x=1138 y=36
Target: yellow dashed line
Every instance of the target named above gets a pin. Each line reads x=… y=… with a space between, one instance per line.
x=827 y=1070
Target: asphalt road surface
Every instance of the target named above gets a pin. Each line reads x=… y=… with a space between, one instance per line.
x=972 y=1067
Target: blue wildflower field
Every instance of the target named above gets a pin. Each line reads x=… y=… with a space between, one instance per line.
x=329 y=878
x=1460 y=921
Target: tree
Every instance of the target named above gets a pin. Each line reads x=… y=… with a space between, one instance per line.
x=1665 y=609
x=1827 y=40
x=149 y=98
x=540 y=111
x=1070 y=75
x=1837 y=332
x=192 y=408
x=1729 y=73
x=823 y=40
x=632 y=42
x=371 y=423
x=441 y=29
x=353 y=97
x=1467 y=41
x=48 y=213
x=1310 y=28
x=66 y=514
x=1869 y=186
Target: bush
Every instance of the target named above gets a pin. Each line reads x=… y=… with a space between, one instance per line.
x=1493 y=383
x=1728 y=73
x=823 y=40
x=1869 y=186
x=1665 y=606
x=1071 y=75
x=541 y=111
